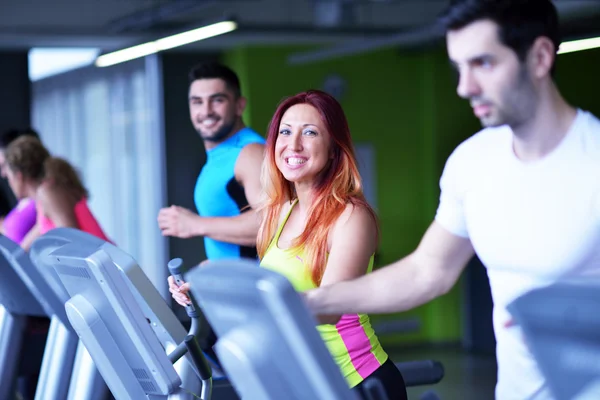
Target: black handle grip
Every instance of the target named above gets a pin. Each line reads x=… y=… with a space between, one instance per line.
x=422 y=372
x=198 y=359
x=373 y=389
x=176 y=269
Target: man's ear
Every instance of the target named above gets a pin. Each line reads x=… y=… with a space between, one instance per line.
x=542 y=57
x=240 y=106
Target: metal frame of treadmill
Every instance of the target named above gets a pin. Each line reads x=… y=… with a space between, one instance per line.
x=268 y=341
x=79 y=250
x=17 y=302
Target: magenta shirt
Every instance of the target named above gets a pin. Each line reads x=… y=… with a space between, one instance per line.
x=20 y=220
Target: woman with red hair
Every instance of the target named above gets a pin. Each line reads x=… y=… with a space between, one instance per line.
x=318 y=229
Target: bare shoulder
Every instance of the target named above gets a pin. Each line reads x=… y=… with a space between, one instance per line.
x=252 y=152
x=356 y=224
x=356 y=215
x=249 y=161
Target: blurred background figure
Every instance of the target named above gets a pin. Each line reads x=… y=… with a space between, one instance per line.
x=60 y=196
x=19 y=220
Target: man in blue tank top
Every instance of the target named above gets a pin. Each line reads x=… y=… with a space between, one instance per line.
x=228 y=186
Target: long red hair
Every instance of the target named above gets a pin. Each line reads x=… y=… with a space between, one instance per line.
x=338 y=185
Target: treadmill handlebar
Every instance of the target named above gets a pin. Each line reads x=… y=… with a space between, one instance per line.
x=199 y=333
x=204 y=370
x=176 y=269
x=421 y=372
x=200 y=327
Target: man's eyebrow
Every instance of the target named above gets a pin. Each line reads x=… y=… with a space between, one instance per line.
x=212 y=96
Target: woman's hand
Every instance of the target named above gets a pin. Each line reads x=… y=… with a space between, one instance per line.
x=179 y=293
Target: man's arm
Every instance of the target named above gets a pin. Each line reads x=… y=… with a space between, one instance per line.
x=430 y=271
x=241 y=229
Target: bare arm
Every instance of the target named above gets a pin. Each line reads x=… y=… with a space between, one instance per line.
x=241 y=229
x=430 y=271
x=28 y=240
x=353 y=242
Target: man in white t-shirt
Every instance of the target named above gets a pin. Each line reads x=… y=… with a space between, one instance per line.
x=523 y=193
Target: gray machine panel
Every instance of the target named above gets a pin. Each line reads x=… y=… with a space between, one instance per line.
x=110 y=323
x=114 y=306
x=15 y=294
x=42 y=279
x=268 y=341
x=162 y=319
x=561 y=324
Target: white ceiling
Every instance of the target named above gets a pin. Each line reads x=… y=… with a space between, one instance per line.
x=110 y=24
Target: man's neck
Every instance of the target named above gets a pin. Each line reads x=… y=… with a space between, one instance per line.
x=540 y=135
x=209 y=145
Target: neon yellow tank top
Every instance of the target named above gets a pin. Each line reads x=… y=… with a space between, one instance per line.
x=352 y=342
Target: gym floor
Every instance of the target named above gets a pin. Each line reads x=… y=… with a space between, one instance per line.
x=467 y=376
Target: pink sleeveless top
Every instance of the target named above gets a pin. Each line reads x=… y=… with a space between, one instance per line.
x=86 y=220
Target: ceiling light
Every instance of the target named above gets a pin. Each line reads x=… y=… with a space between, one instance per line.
x=578 y=45
x=165 y=43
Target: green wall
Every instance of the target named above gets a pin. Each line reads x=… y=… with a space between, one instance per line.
x=406 y=106
x=577 y=78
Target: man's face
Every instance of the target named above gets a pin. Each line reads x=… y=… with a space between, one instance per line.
x=491 y=76
x=214 y=109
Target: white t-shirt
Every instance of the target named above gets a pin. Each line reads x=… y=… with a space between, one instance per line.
x=531 y=224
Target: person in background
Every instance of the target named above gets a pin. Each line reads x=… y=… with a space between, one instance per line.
x=22 y=218
x=228 y=187
x=61 y=198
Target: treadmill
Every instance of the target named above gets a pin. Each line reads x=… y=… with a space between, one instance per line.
x=17 y=303
x=133 y=336
x=67 y=372
x=268 y=341
x=137 y=343
x=561 y=323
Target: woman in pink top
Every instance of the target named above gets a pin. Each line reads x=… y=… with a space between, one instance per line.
x=60 y=196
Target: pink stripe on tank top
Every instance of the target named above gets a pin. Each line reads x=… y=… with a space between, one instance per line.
x=358 y=344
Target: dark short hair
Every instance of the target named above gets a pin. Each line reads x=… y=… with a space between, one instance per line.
x=520 y=22
x=9 y=136
x=212 y=70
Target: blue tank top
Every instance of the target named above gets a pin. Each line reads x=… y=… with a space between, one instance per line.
x=218 y=194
